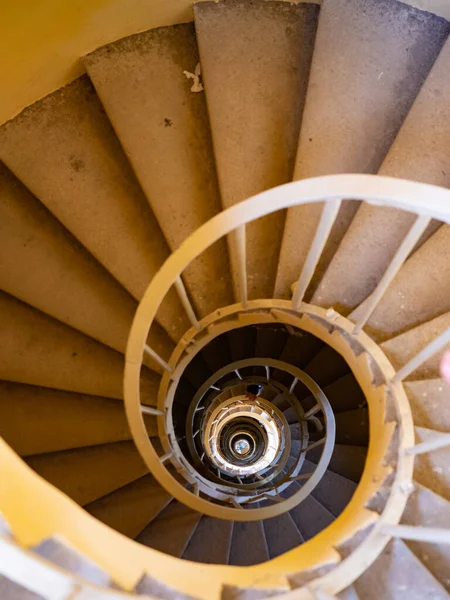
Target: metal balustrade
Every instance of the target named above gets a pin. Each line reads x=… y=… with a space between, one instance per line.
x=425 y=201
x=343 y=334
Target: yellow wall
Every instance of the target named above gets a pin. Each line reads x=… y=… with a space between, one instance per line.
x=41 y=40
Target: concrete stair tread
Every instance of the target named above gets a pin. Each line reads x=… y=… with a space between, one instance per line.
x=242 y=343
x=37 y=420
x=348 y=461
x=13 y=591
x=281 y=534
x=130 y=509
x=217 y=354
x=45 y=266
x=375 y=233
x=345 y=394
x=429 y=405
x=300 y=348
x=171 y=530
x=363 y=54
x=432 y=469
x=405 y=346
x=270 y=341
x=57 y=356
x=263 y=98
x=232 y=592
x=248 y=544
x=414 y=297
x=427 y=509
x=85 y=474
x=59 y=552
x=156 y=124
x=352 y=427
x=333 y=491
x=152 y=587
x=398 y=574
x=197 y=371
x=211 y=541
x=65 y=151
x=311 y=517
x=336 y=368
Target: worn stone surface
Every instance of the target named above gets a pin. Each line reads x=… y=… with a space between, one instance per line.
x=130 y=508
x=65 y=151
x=370 y=60
x=401 y=349
x=38 y=350
x=376 y=233
x=427 y=509
x=399 y=575
x=429 y=403
x=255 y=101
x=85 y=474
x=34 y=420
x=45 y=266
x=163 y=126
x=432 y=468
x=210 y=542
x=171 y=530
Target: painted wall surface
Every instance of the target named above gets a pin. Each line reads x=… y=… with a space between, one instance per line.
x=41 y=41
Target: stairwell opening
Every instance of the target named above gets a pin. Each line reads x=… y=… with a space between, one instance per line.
x=218 y=379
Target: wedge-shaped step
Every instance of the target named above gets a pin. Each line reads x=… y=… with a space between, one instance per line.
x=432 y=469
x=345 y=394
x=427 y=509
x=325 y=368
x=376 y=233
x=403 y=348
x=334 y=491
x=242 y=343
x=248 y=544
x=429 y=403
x=164 y=130
x=86 y=474
x=270 y=341
x=154 y=588
x=130 y=508
x=399 y=575
x=36 y=420
x=64 y=150
x=39 y=350
x=374 y=57
x=419 y=292
x=216 y=354
x=210 y=542
x=255 y=102
x=347 y=461
x=300 y=348
x=57 y=551
x=171 y=530
x=352 y=427
x=231 y=592
x=9 y=590
x=43 y=265
x=281 y=534
x=311 y=517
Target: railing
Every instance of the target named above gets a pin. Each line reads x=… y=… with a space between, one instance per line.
x=423 y=200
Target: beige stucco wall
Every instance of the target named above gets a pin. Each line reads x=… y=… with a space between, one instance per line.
x=41 y=40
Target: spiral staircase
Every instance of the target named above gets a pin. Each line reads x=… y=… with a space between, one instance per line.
x=225 y=294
